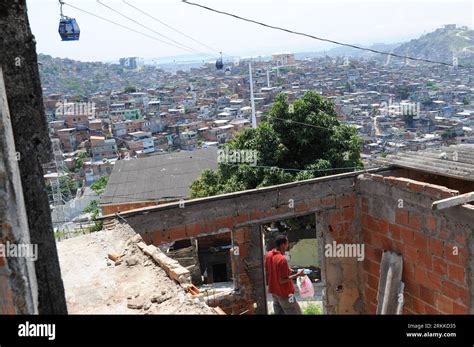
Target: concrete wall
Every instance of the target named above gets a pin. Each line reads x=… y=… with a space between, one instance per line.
x=73 y=208
x=19 y=62
x=18 y=290
x=344 y=292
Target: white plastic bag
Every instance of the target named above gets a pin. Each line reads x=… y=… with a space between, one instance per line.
x=305 y=287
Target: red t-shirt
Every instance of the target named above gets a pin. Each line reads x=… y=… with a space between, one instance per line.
x=277 y=267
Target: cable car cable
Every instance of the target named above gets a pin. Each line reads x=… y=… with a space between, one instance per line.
x=152 y=30
x=126 y=27
x=170 y=27
x=323 y=39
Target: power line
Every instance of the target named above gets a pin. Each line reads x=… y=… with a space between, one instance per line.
x=320 y=38
x=154 y=31
x=126 y=27
x=301 y=123
x=170 y=27
x=131 y=198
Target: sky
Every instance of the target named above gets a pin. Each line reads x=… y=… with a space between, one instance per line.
x=351 y=21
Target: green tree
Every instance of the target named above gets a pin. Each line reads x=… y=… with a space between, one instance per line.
x=130 y=89
x=303 y=142
x=93 y=209
x=349 y=87
x=99 y=185
x=84 y=155
x=403 y=92
x=78 y=165
x=448 y=134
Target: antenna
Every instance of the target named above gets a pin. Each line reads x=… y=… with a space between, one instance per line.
x=252 y=102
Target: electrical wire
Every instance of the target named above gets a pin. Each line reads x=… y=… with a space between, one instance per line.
x=152 y=30
x=131 y=198
x=322 y=39
x=171 y=27
x=301 y=123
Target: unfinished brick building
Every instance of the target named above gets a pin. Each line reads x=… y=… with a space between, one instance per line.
x=384 y=209
x=381 y=209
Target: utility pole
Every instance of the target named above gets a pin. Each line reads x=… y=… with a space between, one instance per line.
x=252 y=102
x=268 y=77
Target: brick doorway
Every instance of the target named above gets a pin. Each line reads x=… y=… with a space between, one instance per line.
x=305 y=251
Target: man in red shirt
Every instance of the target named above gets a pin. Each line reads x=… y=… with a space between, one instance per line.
x=280 y=279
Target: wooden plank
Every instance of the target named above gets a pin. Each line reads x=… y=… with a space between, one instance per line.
x=453 y=201
x=391 y=268
x=219 y=310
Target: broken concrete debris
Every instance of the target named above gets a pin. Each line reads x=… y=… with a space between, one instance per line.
x=113 y=257
x=174 y=270
x=135 y=304
x=131 y=261
x=120 y=289
x=161 y=298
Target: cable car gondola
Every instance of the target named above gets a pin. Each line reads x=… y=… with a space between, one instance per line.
x=68 y=27
x=219 y=63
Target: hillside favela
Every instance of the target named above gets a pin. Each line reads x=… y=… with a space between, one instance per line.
x=179 y=168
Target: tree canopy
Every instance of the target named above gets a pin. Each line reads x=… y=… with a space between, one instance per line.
x=99 y=185
x=294 y=142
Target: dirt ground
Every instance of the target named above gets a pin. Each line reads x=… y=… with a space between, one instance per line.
x=96 y=285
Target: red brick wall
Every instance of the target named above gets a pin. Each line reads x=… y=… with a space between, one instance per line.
x=6 y=294
x=241 y=271
x=215 y=240
x=453 y=183
x=351 y=210
x=116 y=208
x=341 y=219
x=435 y=279
x=336 y=209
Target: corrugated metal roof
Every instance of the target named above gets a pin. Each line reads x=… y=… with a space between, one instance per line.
x=454 y=161
x=157 y=177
